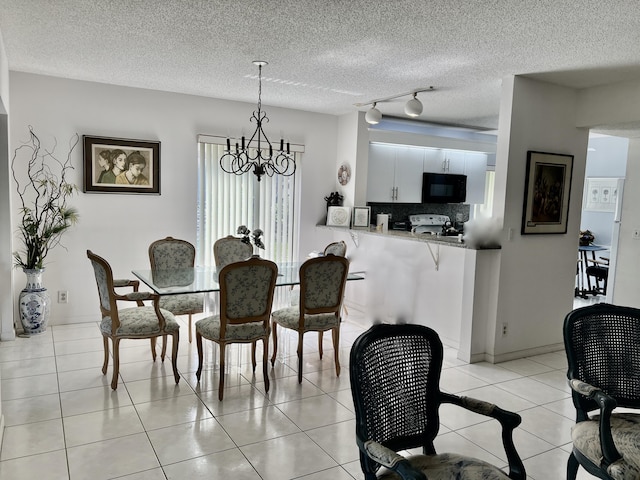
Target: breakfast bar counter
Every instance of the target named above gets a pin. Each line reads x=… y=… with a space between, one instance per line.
x=433 y=280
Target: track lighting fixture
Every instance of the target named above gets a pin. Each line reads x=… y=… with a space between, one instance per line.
x=413 y=107
x=373 y=115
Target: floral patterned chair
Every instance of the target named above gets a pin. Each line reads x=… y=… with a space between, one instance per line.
x=230 y=249
x=246 y=297
x=602 y=343
x=336 y=248
x=171 y=253
x=139 y=322
x=322 y=282
x=395 y=374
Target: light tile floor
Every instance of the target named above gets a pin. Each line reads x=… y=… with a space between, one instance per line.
x=63 y=421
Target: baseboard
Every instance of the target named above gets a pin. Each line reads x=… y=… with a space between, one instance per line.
x=529 y=352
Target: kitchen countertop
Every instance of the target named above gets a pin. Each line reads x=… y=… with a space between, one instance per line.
x=405 y=235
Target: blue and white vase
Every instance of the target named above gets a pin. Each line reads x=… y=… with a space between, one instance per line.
x=34 y=303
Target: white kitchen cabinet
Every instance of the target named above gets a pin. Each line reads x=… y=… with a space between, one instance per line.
x=476 y=171
x=395 y=173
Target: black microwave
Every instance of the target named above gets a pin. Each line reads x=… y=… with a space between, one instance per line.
x=443 y=188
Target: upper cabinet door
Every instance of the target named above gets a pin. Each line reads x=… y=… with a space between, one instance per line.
x=433 y=160
x=380 y=177
x=476 y=172
x=408 y=174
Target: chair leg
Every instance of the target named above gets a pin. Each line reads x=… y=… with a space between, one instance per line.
x=164 y=347
x=153 y=348
x=253 y=356
x=274 y=335
x=199 y=345
x=265 y=361
x=572 y=467
x=320 y=343
x=175 y=341
x=221 y=383
x=300 y=342
x=116 y=363
x=105 y=364
x=189 y=328
x=335 y=333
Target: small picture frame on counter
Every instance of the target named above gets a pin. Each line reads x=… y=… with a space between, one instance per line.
x=361 y=217
x=339 y=217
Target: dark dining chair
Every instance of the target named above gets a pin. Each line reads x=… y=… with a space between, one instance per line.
x=139 y=322
x=395 y=375
x=602 y=343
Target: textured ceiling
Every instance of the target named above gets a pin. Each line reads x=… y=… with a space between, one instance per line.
x=327 y=55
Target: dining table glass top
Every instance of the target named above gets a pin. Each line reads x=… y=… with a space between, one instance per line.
x=205 y=279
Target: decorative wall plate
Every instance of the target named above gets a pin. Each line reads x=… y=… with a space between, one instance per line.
x=339 y=216
x=344 y=174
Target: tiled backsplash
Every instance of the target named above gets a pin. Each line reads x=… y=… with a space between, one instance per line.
x=401 y=211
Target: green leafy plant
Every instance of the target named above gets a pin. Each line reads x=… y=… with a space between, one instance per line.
x=43 y=188
x=248 y=236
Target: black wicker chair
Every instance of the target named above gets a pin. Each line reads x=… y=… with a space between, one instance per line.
x=602 y=342
x=395 y=376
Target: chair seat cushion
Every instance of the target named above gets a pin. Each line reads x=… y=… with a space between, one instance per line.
x=183 y=304
x=289 y=318
x=209 y=328
x=625 y=428
x=448 y=466
x=140 y=322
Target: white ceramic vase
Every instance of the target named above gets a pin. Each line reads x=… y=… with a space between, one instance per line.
x=34 y=303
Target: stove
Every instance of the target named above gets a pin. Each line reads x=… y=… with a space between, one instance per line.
x=428 y=223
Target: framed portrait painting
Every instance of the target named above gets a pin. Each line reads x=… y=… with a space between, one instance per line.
x=118 y=165
x=547 y=192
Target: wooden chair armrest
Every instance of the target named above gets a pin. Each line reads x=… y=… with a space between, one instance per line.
x=508 y=420
x=391 y=460
x=606 y=404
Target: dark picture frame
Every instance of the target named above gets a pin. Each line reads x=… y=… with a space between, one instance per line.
x=361 y=217
x=120 y=165
x=547 y=193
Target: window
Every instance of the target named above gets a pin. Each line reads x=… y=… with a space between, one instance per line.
x=226 y=201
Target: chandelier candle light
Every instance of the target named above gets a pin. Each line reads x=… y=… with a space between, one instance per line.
x=262 y=163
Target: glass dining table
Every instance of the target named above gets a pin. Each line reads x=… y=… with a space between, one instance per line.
x=205 y=279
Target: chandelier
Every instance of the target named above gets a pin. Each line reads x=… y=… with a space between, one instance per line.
x=262 y=161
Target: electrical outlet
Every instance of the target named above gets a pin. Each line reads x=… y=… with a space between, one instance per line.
x=504 y=329
x=63 y=296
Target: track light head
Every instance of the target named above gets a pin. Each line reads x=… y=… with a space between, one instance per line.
x=373 y=115
x=413 y=107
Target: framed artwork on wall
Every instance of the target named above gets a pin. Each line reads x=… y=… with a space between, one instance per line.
x=118 y=165
x=546 y=193
x=339 y=216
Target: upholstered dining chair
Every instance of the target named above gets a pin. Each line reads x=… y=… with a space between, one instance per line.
x=230 y=249
x=336 y=248
x=322 y=281
x=246 y=297
x=602 y=343
x=171 y=253
x=139 y=322
x=395 y=375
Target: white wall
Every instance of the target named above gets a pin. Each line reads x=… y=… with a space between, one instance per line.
x=607 y=157
x=537 y=272
x=121 y=227
x=628 y=259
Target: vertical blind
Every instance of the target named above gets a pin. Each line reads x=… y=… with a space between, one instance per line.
x=226 y=201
